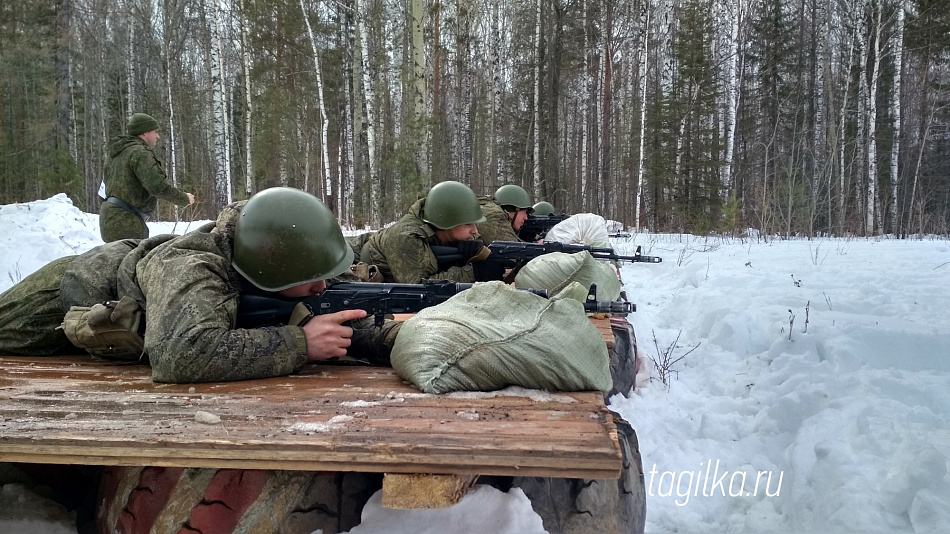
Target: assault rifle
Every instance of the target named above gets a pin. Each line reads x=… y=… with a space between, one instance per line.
x=512 y=253
x=379 y=300
x=534 y=228
x=255 y=311
x=620 y=235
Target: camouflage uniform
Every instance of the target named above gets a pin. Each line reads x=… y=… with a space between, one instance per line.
x=497 y=225
x=189 y=292
x=135 y=176
x=403 y=255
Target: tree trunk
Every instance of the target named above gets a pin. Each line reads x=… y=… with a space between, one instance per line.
x=818 y=97
x=172 y=164
x=418 y=87
x=64 y=115
x=873 y=216
x=898 y=51
x=586 y=95
x=349 y=126
x=606 y=126
x=495 y=167
x=736 y=14
x=369 y=101
x=646 y=11
x=862 y=114
x=249 y=187
x=842 y=135
x=463 y=62
x=327 y=179
x=222 y=177
x=536 y=142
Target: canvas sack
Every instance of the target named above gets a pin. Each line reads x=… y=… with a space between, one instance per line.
x=581 y=229
x=556 y=271
x=493 y=336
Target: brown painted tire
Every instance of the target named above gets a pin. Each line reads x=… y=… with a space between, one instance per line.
x=134 y=500
x=575 y=506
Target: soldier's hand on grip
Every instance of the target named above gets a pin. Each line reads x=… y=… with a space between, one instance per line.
x=327 y=337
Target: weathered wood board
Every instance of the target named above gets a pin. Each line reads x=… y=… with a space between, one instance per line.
x=73 y=410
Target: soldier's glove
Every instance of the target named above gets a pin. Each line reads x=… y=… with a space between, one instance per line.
x=486 y=271
x=471 y=249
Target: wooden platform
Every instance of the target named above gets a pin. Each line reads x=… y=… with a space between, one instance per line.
x=74 y=410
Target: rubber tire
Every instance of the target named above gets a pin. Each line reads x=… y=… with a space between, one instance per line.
x=135 y=500
x=576 y=506
x=624 y=359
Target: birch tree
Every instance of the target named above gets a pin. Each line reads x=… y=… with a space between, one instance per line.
x=645 y=24
x=734 y=13
x=222 y=180
x=418 y=86
x=585 y=99
x=327 y=179
x=369 y=101
x=347 y=40
x=842 y=134
x=898 y=52
x=821 y=70
x=169 y=19
x=246 y=63
x=536 y=160
x=873 y=216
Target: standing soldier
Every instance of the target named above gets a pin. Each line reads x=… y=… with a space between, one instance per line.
x=504 y=213
x=134 y=181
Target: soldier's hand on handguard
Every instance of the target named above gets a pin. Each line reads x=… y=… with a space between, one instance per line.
x=327 y=337
x=470 y=249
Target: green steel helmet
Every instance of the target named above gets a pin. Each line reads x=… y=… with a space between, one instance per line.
x=543 y=209
x=512 y=195
x=285 y=237
x=450 y=204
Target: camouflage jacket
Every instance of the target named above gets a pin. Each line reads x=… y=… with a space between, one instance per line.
x=497 y=225
x=403 y=255
x=189 y=291
x=135 y=175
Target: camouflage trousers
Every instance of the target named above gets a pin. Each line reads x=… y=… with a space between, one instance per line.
x=116 y=223
x=31 y=312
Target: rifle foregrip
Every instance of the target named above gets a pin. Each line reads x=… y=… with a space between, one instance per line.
x=611 y=307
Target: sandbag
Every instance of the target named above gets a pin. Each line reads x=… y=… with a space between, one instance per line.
x=581 y=229
x=493 y=336
x=555 y=271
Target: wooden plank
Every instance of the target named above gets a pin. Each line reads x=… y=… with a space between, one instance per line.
x=603 y=326
x=412 y=492
x=74 y=410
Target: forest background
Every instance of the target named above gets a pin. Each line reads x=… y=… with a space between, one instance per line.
x=803 y=117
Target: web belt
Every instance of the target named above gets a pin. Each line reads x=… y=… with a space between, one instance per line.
x=127 y=207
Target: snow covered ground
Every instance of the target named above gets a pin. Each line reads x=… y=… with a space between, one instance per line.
x=813 y=393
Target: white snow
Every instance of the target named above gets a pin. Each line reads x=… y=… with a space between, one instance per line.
x=819 y=368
